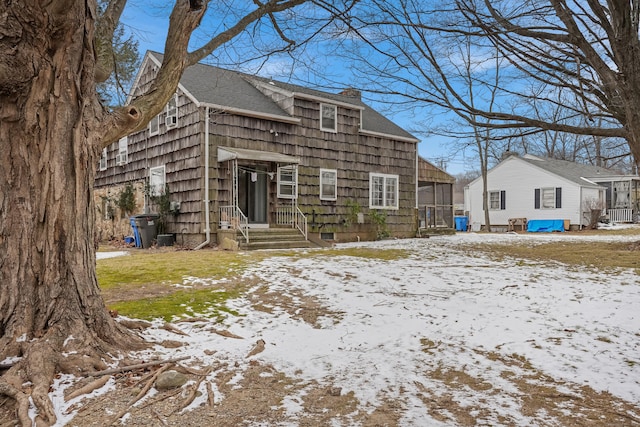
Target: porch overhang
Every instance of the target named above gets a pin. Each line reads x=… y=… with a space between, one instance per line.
x=228 y=153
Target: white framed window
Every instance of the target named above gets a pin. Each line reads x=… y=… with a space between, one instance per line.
x=154 y=126
x=328 y=184
x=383 y=191
x=548 y=198
x=497 y=200
x=171 y=119
x=328 y=117
x=123 y=151
x=287 y=182
x=103 y=160
x=157 y=180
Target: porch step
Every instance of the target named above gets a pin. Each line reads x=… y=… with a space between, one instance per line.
x=274 y=238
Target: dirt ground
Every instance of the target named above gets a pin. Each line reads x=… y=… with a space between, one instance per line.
x=254 y=394
x=256 y=399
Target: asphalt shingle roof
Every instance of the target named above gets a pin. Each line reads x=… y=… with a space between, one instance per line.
x=570 y=170
x=217 y=86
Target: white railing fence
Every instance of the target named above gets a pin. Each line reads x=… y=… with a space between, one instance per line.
x=292 y=216
x=620 y=215
x=232 y=217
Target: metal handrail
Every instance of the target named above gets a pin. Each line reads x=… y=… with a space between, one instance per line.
x=293 y=217
x=301 y=222
x=236 y=219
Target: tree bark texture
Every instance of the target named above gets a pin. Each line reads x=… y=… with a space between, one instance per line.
x=49 y=296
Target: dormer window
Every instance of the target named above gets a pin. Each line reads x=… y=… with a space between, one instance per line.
x=171 y=119
x=328 y=117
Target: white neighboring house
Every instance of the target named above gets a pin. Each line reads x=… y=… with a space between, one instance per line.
x=536 y=188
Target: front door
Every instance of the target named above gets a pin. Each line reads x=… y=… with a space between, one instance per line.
x=252 y=193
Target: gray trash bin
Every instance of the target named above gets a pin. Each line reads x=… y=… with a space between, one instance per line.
x=146 y=225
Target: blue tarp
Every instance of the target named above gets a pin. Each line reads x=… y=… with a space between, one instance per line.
x=545 y=225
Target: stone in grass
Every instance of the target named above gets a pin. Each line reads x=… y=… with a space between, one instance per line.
x=229 y=245
x=170 y=379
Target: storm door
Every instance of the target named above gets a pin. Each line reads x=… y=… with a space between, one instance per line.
x=252 y=193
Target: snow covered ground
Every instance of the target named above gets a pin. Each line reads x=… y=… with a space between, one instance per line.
x=394 y=328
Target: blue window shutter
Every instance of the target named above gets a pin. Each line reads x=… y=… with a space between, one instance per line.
x=536 y=198
x=503 y=203
x=558 y=197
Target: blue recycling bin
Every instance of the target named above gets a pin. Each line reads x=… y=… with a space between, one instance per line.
x=136 y=233
x=461 y=223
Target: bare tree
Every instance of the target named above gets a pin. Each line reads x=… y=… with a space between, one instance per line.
x=52 y=129
x=587 y=50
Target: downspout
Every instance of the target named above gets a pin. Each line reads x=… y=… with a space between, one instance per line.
x=417 y=178
x=580 y=213
x=206 y=183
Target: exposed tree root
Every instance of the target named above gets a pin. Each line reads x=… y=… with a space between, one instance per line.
x=139 y=396
x=28 y=380
x=137 y=366
x=93 y=385
x=192 y=394
x=21 y=398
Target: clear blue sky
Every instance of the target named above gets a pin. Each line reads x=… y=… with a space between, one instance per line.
x=149 y=24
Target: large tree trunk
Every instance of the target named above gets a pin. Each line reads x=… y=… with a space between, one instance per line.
x=50 y=302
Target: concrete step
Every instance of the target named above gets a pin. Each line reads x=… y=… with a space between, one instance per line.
x=274 y=238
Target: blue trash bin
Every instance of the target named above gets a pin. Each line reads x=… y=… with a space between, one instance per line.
x=136 y=232
x=461 y=223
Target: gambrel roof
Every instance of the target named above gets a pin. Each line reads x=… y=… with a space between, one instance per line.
x=239 y=92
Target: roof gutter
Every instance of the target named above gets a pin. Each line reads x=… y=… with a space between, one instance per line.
x=206 y=200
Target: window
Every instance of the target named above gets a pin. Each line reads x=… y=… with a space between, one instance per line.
x=157 y=181
x=328 y=184
x=171 y=119
x=154 y=126
x=548 y=198
x=328 y=117
x=103 y=160
x=383 y=191
x=123 y=150
x=497 y=200
x=287 y=182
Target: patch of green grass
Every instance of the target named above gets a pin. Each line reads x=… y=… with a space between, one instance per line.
x=203 y=302
x=140 y=285
x=141 y=268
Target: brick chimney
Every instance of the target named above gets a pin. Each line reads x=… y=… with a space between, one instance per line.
x=351 y=93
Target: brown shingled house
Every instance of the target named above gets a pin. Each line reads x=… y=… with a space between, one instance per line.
x=236 y=153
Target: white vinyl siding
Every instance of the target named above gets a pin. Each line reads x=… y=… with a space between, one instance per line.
x=519 y=179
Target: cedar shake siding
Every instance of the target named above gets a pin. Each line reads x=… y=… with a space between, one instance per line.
x=250 y=113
